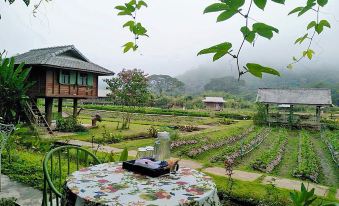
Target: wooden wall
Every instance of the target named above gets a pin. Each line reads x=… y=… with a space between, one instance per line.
x=50 y=87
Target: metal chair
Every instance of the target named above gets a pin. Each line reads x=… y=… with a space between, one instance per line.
x=57 y=165
x=5 y=132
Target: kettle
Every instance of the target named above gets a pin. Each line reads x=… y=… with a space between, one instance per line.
x=162 y=146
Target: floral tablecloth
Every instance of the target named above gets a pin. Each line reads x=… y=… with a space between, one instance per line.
x=109 y=184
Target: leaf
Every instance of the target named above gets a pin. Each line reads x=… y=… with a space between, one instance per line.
x=306 y=9
x=290 y=66
x=234 y=4
x=220 y=50
x=301 y=39
x=309 y=53
x=264 y=30
x=248 y=34
x=279 y=1
x=320 y=27
x=129 y=24
x=141 y=3
x=216 y=7
x=322 y=2
x=130 y=7
x=123 y=13
x=26 y=2
x=294 y=59
x=260 y=3
x=226 y=15
x=257 y=70
x=311 y=24
x=122 y=8
x=128 y=46
x=295 y=10
x=124 y=155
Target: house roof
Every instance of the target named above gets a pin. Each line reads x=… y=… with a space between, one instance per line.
x=312 y=96
x=62 y=56
x=214 y=99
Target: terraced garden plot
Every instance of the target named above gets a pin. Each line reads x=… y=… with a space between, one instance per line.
x=242 y=147
x=290 y=160
x=206 y=138
x=273 y=153
x=329 y=170
x=246 y=161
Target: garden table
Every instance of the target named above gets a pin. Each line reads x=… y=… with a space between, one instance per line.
x=109 y=184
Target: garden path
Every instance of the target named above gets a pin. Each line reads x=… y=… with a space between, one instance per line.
x=237 y=174
x=25 y=195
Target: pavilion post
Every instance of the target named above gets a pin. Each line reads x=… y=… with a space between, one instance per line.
x=290 y=118
x=75 y=107
x=267 y=112
x=60 y=107
x=317 y=114
x=48 y=109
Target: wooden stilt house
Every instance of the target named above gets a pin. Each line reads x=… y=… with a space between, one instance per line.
x=59 y=73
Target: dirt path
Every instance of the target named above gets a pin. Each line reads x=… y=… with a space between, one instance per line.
x=330 y=173
x=289 y=160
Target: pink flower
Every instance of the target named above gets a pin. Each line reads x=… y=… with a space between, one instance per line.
x=102 y=181
x=181 y=183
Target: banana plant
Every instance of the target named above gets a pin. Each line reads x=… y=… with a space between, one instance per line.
x=13 y=88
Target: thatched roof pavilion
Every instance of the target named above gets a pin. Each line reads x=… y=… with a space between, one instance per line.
x=318 y=97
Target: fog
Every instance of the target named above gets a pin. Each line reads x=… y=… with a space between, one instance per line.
x=178 y=29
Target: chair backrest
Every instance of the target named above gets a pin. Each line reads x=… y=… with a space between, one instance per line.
x=57 y=165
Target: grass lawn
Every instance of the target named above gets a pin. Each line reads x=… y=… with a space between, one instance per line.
x=134 y=131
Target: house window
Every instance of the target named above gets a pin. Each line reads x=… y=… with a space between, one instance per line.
x=65 y=77
x=83 y=79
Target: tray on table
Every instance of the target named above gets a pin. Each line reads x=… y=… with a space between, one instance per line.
x=130 y=166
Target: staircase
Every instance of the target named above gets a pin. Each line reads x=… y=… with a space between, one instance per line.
x=35 y=116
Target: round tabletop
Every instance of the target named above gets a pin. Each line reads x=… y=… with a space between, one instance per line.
x=109 y=184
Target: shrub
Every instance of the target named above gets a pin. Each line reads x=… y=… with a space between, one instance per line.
x=152 y=132
x=69 y=124
x=8 y=201
x=111 y=137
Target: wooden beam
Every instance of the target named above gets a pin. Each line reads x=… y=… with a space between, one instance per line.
x=75 y=107
x=60 y=106
x=48 y=109
x=317 y=113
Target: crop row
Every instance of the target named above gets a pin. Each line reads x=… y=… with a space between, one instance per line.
x=241 y=146
x=180 y=143
x=177 y=112
x=272 y=157
x=229 y=140
x=331 y=139
x=308 y=165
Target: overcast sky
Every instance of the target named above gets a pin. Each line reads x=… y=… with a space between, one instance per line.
x=177 y=28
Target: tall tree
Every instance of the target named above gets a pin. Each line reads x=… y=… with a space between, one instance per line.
x=165 y=84
x=129 y=88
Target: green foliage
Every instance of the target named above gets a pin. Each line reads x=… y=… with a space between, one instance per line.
x=130 y=9
x=304 y=198
x=267 y=157
x=176 y=112
x=260 y=118
x=109 y=137
x=129 y=87
x=308 y=165
x=258 y=70
x=153 y=132
x=13 y=89
x=124 y=155
x=219 y=50
x=69 y=124
x=165 y=84
x=8 y=201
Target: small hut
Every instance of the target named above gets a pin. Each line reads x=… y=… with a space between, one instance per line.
x=288 y=99
x=214 y=103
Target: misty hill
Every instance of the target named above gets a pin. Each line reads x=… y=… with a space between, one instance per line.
x=195 y=80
